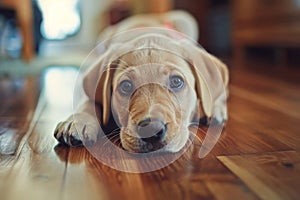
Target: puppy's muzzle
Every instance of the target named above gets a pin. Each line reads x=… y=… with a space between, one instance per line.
x=151 y=130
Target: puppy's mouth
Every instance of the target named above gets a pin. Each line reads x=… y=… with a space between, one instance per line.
x=149 y=135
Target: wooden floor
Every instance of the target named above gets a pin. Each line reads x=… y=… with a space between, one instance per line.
x=257 y=156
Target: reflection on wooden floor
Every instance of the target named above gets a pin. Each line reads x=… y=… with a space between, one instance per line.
x=257 y=156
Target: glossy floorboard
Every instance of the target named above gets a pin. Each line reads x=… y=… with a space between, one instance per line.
x=257 y=156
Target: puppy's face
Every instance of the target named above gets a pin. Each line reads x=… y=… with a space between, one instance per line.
x=153 y=99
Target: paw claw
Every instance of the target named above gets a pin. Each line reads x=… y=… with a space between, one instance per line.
x=60 y=139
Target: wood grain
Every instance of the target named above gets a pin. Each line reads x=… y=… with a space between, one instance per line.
x=273 y=175
x=256 y=157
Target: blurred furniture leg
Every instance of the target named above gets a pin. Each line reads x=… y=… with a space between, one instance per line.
x=160 y=6
x=151 y=6
x=23 y=10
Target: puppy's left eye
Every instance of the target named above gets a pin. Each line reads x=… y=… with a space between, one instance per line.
x=126 y=87
x=176 y=83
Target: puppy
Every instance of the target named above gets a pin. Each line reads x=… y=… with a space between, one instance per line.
x=151 y=93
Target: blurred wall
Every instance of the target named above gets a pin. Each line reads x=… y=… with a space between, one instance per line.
x=93 y=20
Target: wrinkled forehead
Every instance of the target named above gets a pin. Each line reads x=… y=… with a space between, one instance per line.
x=146 y=73
x=151 y=65
x=151 y=55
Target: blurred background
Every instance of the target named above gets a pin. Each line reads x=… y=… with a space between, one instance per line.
x=244 y=33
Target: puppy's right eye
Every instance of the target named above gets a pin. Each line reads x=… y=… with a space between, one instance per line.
x=126 y=87
x=176 y=83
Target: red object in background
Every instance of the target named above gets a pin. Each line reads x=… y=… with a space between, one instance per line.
x=119 y=11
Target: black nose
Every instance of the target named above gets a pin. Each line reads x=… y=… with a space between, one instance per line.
x=151 y=130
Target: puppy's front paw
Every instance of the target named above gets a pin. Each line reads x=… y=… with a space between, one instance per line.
x=220 y=109
x=78 y=129
x=221 y=114
x=219 y=117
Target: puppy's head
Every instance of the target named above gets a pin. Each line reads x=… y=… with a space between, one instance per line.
x=153 y=99
x=153 y=95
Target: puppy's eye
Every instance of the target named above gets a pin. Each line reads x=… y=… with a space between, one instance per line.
x=126 y=87
x=176 y=83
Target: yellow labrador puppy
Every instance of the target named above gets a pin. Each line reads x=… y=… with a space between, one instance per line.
x=152 y=94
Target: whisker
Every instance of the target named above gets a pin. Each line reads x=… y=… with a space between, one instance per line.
x=116 y=131
x=110 y=136
x=118 y=142
x=110 y=140
x=114 y=138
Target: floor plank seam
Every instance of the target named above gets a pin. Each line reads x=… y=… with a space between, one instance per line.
x=33 y=122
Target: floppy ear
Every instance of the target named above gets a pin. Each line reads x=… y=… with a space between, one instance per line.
x=211 y=77
x=97 y=86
